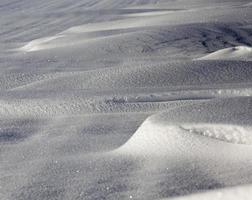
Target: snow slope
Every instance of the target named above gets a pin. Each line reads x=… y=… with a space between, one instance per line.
x=125 y=99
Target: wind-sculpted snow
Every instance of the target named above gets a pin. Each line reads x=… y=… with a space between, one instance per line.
x=222 y=120
x=234 y=53
x=179 y=74
x=209 y=135
x=125 y=99
x=241 y=193
x=116 y=37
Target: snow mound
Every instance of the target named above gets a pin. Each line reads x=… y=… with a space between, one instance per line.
x=241 y=193
x=232 y=53
x=219 y=126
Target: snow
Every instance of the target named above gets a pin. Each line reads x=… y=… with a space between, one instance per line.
x=242 y=193
x=232 y=53
x=125 y=99
x=206 y=128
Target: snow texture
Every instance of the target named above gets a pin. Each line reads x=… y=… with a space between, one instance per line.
x=125 y=99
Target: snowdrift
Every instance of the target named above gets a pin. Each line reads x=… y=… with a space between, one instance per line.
x=219 y=126
x=105 y=99
x=234 y=193
x=232 y=53
x=200 y=140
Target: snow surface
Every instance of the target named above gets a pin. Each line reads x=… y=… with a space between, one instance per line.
x=125 y=99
